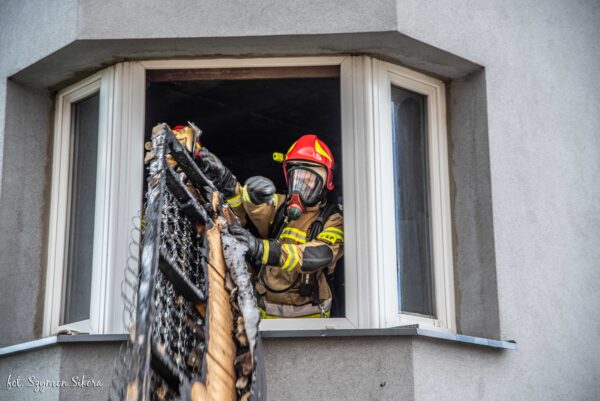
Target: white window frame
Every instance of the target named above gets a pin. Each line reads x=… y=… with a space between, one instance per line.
x=118 y=197
x=353 y=275
x=385 y=75
x=370 y=264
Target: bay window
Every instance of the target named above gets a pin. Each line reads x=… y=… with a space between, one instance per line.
x=386 y=123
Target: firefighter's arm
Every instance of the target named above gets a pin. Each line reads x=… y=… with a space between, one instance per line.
x=216 y=171
x=261 y=215
x=235 y=203
x=323 y=252
x=257 y=201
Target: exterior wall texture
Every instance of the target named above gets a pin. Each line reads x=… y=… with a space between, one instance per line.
x=527 y=256
x=78 y=362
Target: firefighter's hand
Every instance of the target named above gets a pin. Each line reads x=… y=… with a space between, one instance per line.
x=255 y=246
x=216 y=171
x=260 y=190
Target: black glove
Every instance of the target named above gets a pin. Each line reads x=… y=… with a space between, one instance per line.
x=255 y=246
x=260 y=189
x=216 y=171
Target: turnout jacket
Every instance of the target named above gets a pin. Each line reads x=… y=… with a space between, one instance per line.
x=291 y=259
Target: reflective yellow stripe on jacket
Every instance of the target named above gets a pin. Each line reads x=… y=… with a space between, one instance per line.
x=265 y=256
x=235 y=201
x=293 y=234
x=331 y=235
x=265 y=315
x=292 y=259
x=245 y=195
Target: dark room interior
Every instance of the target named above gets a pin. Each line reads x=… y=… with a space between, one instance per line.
x=248 y=115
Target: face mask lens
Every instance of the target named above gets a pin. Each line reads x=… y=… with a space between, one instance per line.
x=306 y=183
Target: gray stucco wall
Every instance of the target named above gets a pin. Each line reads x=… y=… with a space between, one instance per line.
x=29 y=31
x=23 y=206
x=537 y=225
x=16 y=371
x=473 y=229
x=541 y=61
x=41 y=372
x=302 y=368
x=339 y=369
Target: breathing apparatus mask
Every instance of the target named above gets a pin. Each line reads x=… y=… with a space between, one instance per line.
x=306 y=184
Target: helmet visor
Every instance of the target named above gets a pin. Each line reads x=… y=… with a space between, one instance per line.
x=305 y=182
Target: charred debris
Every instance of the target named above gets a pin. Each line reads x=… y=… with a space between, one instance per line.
x=195 y=323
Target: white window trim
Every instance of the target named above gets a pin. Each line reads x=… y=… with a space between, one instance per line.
x=60 y=203
x=384 y=76
x=118 y=197
x=370 y=264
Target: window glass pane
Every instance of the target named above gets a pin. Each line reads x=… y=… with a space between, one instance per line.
x=415 y=280
x=78 y=278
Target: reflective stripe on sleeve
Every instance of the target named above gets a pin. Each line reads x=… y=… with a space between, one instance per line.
x=289 y=236
x=265 y=315
x=235 y=201
x=293 y=234
x=296 y=231
x=296 y=257
x=276 y=204
x=265 y=256
x=292 y=259
x=335 y=230
x=288 y=259
x=245 y=195
x=331 y=235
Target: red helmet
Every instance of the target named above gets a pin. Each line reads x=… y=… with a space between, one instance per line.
x=311 y=149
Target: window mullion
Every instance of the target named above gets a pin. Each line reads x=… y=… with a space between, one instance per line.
x=365 y=196
x=386 y=203
x=128 y=185
x=103 y=202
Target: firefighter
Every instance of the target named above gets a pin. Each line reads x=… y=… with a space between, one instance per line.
x=301 y=233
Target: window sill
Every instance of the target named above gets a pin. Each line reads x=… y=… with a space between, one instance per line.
x=61 y=339
x=394 y=331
